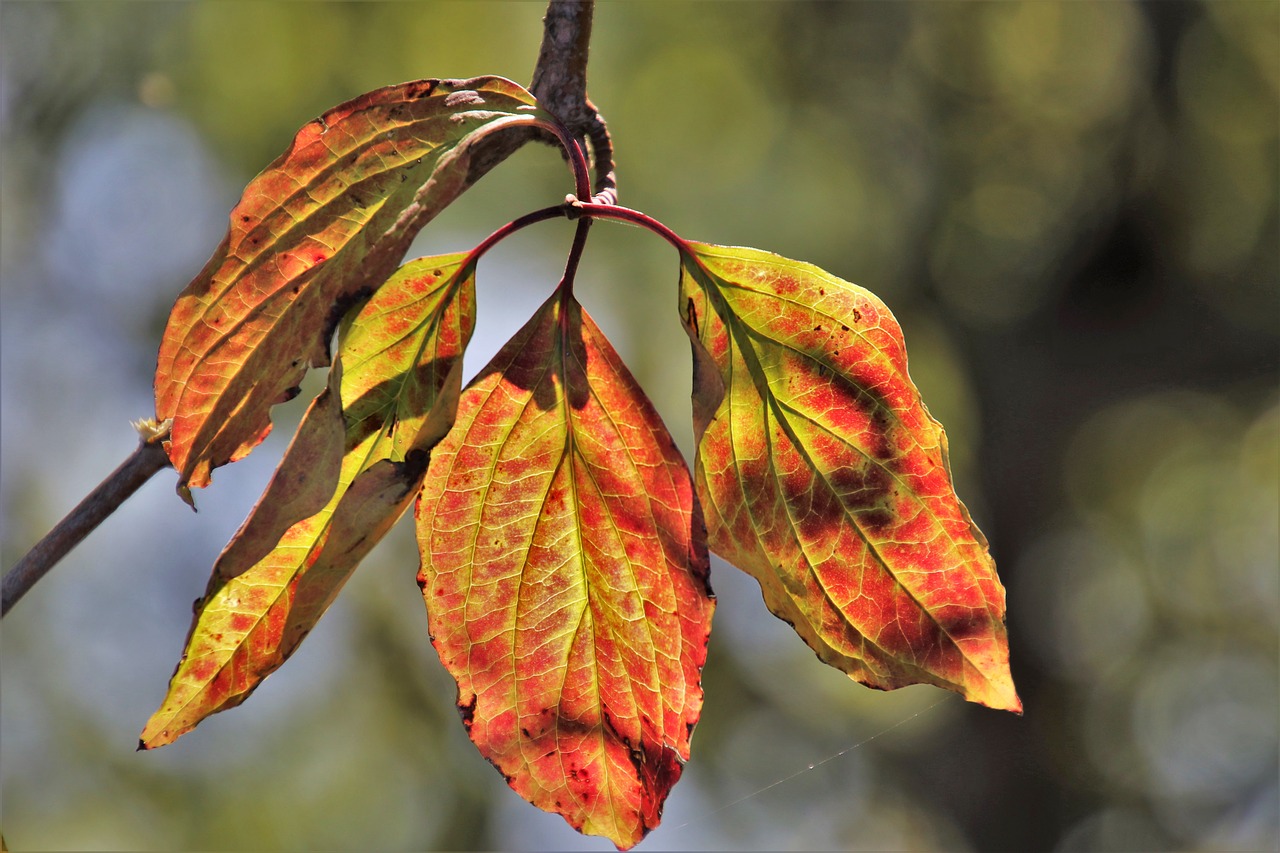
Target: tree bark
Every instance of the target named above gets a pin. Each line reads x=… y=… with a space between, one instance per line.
x=560 y=85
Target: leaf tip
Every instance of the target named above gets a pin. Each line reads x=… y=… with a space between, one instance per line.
x=150 y=739
x=1011 y=701
x=997 y=693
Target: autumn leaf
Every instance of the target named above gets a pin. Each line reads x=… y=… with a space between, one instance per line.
x=823 y=475
x=565 y=575
x=357 y=460
x=313 y=234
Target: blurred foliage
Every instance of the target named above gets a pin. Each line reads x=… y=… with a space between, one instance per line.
x=1071 y=207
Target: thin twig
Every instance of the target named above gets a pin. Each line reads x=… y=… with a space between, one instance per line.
x=560 y=84
x=141 y=465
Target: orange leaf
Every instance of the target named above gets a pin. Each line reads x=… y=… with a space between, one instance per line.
x=565 y=575
x=350 y=473
x=823 y=475
x=314 y=233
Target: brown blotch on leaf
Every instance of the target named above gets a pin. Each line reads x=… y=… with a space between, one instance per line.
x=468 y=712
x=422 y=90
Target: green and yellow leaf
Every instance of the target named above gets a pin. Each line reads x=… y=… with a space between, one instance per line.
x=823 y=475
x=313 y=234
x=564 y=570
x=352 y=469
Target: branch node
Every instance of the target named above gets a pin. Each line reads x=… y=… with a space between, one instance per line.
x=151 y=431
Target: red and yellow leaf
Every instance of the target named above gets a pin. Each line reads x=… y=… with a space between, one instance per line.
x=565 y=575
x=315 y=232
x=823 y=475
x=349 y=474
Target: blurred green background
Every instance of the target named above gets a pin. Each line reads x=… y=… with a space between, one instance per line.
x=1071 y=208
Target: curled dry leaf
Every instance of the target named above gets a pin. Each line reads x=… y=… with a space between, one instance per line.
x=313 y=234
x=565 y=575
x=823 y=475
x=351 y=471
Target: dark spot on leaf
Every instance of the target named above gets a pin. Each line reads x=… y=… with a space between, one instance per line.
x=857 y=315
x=817 y=328
x=566 y=725
x=877 y=519
x=843 y=327
x=424 y=90
x=881 y=447
x=861 y=487
x=468 y=712
x=415 y=464
x=821 y=292
x=436 y=273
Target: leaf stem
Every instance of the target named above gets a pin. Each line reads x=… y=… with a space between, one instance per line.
x=577 y=159
x=541 y=215
x=583 y=212
x=634 y=217
x=581 y=173
x=575 y=255
x=142 y=464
